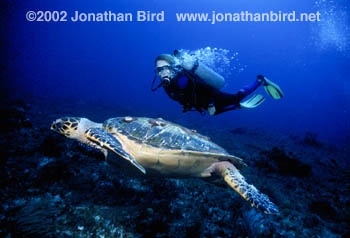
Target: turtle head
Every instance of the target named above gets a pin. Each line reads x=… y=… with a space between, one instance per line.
x=67 y=126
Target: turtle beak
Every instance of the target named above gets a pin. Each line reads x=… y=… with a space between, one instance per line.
x=52 y=127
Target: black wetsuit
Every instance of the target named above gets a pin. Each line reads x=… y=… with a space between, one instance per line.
x=191 y=92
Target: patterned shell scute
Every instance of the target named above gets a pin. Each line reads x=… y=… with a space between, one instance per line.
x=162 y=134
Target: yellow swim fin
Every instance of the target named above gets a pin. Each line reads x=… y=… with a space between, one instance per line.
x=272 y=89
x=253 y=101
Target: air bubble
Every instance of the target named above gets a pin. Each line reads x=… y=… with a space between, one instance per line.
x=222 y=61
x=332 y=32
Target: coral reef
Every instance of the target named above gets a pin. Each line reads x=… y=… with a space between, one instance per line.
x=284 y=164
x=311 y=140
x=54 y=187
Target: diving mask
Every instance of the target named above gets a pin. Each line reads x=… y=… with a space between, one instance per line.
x=162 y=68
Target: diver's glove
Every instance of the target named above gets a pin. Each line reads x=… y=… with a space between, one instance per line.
x=211 y=109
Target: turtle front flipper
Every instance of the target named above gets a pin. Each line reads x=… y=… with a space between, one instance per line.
x=236 y=181
x=107 y=140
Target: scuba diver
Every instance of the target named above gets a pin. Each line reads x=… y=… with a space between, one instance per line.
x=197 y=87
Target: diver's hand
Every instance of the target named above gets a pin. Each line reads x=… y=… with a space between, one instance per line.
x=211 y=109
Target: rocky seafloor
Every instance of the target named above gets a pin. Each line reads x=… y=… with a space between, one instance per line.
x=51 y=186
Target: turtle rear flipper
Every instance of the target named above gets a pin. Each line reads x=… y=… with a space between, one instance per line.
x=236 y=181
x=107 y=140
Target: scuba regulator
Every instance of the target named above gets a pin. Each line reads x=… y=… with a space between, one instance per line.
x=165 y=81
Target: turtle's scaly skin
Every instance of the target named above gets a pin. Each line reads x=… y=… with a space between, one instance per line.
x=107 y=140
x=163 y=148
x=236 y=181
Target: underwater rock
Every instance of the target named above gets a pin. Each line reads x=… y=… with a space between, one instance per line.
x=323 y=208
x=13 y=116
x=311 y=221
x=238 y=131
x=51 y=146
x=37 y=218
x=54 y=171
x=253 y=223
x=310 y=139
x=285 y=165
x=152 y=226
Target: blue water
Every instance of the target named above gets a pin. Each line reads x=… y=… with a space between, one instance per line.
x=112 y=62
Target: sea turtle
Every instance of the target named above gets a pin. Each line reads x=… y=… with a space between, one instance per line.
x=159 y=147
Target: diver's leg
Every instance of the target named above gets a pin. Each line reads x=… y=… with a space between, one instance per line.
x=226 y=99
x=224 y=102
x=248 y=89
x=224 y=109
